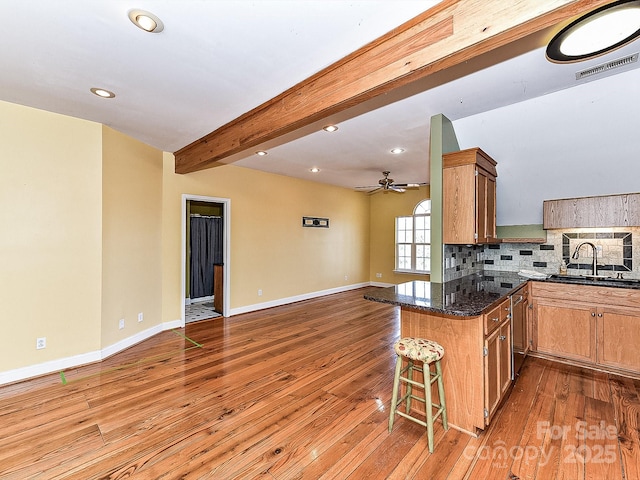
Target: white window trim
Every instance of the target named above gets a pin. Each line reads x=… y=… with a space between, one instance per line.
x=425 y=211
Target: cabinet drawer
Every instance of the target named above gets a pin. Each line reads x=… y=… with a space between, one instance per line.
x=624 y=297
x=495 y=317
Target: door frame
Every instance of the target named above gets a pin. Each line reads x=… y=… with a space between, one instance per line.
x=226 y=250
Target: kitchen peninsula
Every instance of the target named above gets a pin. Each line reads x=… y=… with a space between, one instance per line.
x=569 y=319
x=469 y=317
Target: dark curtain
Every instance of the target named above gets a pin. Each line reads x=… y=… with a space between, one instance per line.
x=206 y=251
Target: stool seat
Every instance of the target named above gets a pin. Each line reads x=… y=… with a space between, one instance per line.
x=419 y=349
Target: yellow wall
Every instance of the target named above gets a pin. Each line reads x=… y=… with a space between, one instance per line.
x=131 y=236
x=270 y=250
x=92 y=234
x=50 y=245
x=385 y=207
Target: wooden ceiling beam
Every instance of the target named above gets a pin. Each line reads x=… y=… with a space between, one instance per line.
x=448 y=34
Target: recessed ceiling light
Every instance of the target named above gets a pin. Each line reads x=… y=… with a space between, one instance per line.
x=314 y=169
x=596 y=33
x=397 y=150
x=146 y=21
x=262 y=153
x=330 y=128
x=101 y=92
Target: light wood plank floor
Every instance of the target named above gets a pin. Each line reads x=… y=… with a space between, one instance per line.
x=301 y=392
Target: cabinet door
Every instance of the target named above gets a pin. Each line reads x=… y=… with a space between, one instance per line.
x=458 y=211
x=619 y=337
x=504 y=344
x=490 y=227
x=485 y=207
x=492 y=382
x=497 y=367
x=481 y=207
x=565 y=330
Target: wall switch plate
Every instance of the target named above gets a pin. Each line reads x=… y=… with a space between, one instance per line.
x=121 y=324
x=378 y=275
x=140 y=317
x=41 y=343
x=259 y=292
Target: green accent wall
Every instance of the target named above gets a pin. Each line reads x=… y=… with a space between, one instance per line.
x=521 y=231
x=443 y=140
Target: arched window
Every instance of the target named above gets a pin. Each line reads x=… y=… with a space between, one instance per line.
x=413 y=240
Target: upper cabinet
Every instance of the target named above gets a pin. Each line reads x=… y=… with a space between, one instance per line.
x=468 y=197
x=604 y=211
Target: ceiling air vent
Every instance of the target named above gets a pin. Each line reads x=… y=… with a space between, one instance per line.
x=603 y=67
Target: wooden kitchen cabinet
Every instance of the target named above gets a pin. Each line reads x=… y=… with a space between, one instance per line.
x=602 y=211
x=618 y=337
x=497 y=368
x=565 y=330
x=603 y=331
x=468 y=197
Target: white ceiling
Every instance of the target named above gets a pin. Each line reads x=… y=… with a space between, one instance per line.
x=217 y=59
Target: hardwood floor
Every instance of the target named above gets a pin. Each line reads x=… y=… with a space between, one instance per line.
x=301 y=392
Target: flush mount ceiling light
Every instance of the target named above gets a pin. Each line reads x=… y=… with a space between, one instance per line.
x=330 y=128
x=314 y=169
x=596 y=33
x=262 y=153
x=397 y=150
x=146 y=21
x=101 y=92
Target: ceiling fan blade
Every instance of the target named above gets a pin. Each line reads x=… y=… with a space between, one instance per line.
x=408 y=185
x=396 y=189
x=369 y=186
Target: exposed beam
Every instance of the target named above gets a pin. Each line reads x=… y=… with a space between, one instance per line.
x=448 y=34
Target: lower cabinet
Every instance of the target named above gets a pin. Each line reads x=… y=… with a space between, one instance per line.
x=565 y=330
x=618 y=337
x=497 y=368
x=605 y=331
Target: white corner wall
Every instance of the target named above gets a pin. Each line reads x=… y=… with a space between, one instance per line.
x=578 y=142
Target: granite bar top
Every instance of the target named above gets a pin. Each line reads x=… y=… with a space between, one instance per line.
x=468 y=296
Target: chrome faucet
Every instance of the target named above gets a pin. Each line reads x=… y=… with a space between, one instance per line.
x=594 y=268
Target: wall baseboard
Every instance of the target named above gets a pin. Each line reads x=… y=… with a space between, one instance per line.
x=58 y=365
x=53 y=366
x=295 y=298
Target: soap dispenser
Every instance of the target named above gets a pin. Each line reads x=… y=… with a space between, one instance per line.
x=563 y=268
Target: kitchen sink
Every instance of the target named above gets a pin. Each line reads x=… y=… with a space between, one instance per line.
x=586 y=279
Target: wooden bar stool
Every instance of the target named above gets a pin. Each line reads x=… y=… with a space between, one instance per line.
x=427 y=352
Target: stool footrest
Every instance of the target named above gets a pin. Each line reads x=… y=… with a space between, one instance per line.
x=417 y=420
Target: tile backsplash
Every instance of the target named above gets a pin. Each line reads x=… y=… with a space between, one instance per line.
x=617 y=249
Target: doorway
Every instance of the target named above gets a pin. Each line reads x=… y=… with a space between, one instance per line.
x=205 y=257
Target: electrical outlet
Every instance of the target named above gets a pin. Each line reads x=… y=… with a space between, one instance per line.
x=259 y=292
x=140 y=317
x=599 y=249
x=346 y=277
x=121 y=324
x=378 y=275
x=41 y=343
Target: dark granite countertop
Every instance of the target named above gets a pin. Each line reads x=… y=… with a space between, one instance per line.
x=468 y=296
x=600 y=282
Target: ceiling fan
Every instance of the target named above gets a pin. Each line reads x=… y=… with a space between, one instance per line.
x=386 y=183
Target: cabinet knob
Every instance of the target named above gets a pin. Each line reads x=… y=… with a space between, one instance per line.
x=497 y=319
x=503 y=337
x=593 y=314
x=600 y=315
